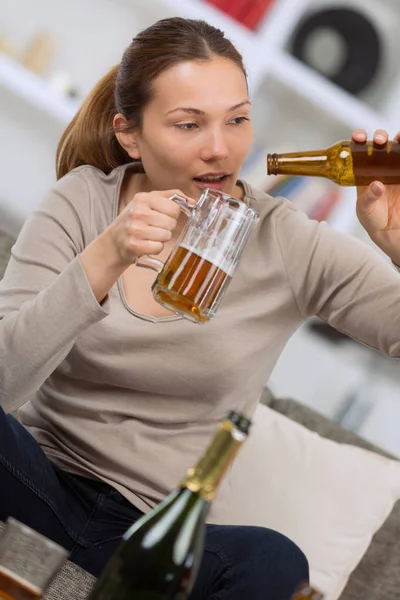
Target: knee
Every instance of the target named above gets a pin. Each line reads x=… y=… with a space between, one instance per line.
x=290 y=560
x=277 y=562
x=256 y=562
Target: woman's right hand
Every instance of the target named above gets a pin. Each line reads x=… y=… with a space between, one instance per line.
x=145 y=225
x=142 y=227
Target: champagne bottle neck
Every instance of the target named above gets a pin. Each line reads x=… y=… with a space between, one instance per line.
x=205 y=477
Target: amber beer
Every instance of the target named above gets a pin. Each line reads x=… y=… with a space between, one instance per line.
x=306 y=592
x=191 y=284
x=13 y=587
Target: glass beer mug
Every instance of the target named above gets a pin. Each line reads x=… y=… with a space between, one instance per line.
x=192 y=281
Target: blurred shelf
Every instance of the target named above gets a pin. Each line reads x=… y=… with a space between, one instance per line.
x=35 y=91
x=325 y=95
x=278 y=23
x=343 y=216
x=257 y=47
x=243 y=38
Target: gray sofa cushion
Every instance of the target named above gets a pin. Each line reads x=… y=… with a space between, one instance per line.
x=71 y=583
x=377 y=576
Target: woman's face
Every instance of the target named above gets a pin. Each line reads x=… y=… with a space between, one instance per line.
x=196 y=131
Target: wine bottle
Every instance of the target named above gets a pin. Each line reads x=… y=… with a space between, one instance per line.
x=346 y=163
x=159 y=556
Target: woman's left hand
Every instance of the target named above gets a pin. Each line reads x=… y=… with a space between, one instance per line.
x=378 y=205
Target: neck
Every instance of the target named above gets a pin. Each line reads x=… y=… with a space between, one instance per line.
x=238 y=192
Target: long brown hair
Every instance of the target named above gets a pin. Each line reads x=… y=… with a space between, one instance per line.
x=90 y=138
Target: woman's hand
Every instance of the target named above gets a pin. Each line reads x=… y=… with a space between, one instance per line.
x=145 y=225
x=142 y=227
x=378 y=205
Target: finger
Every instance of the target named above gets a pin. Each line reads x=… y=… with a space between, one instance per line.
x=380 y=137
x=148 y=248
x=159 y=219
x=163 y=202
x=371 y=211
x=169 y=193
x=360 y=136
x=149 y=216
x=372 y=193
x=165 y=206
x=157 y=234
x=397 y=137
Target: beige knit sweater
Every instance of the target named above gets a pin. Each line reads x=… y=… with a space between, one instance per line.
x=133 y=400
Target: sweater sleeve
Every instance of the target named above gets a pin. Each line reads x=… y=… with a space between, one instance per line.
x=341 y=279
x=45 y=298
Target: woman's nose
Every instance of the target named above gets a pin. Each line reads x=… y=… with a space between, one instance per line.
x=214 y=147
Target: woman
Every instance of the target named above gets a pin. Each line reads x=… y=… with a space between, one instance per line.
x=118 y=396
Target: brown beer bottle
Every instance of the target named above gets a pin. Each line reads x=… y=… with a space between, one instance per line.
x=306 y=592
x=345 y=163
x=28 y=562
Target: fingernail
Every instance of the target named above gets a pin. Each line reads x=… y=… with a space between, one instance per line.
x=380 y=138
x=377 y=189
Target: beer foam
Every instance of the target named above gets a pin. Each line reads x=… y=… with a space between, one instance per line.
x=212 y=255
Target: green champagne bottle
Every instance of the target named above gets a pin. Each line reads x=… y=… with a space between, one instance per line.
x=159 y=556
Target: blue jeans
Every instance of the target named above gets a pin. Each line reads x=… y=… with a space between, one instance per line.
x=88 y=518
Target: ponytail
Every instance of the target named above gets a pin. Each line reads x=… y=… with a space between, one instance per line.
x=89 y=139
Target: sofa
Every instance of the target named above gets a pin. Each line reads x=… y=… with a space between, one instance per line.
x=376 y=577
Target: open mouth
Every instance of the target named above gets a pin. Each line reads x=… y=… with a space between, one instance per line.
x=212 y=180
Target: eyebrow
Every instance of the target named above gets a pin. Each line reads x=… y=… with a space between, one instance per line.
x=197 y=111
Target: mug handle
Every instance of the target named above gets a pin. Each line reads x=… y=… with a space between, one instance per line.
x=150 y=262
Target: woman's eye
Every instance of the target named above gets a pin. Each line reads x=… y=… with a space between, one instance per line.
x=186 y=126
x=238 y=120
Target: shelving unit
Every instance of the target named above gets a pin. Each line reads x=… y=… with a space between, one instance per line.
x=294 y=106
x=320 y=93
x=36 y=92
x=273 y=74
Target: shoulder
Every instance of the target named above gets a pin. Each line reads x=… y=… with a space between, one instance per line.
x=283 y=222
x=298 y=235
x=271 y=209
x=87 y=193
x=88 y=180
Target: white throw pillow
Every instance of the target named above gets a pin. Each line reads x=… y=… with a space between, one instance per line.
x=329 y=498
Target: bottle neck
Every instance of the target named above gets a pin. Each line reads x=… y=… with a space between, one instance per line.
x=334 y=163
x=205 y=477
x=297 y=163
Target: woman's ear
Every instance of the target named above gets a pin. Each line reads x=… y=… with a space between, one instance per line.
x=126 y=137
